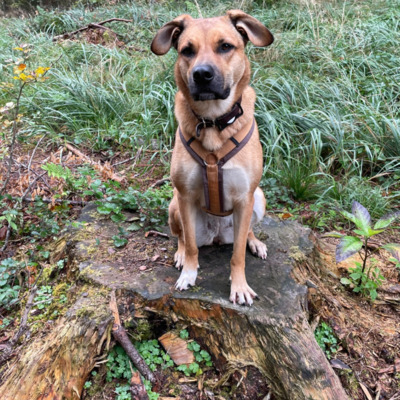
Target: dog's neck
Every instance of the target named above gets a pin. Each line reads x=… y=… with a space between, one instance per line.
x=222 y=121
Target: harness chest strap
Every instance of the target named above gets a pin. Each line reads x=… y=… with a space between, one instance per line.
x=212 y=163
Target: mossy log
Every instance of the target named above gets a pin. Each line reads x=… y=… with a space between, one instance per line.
x=273 y=335
x=56 y=366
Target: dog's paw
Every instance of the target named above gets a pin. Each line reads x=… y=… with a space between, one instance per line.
x=258 y=248
x=242 y=294
x=179 y=259
x=187 y=278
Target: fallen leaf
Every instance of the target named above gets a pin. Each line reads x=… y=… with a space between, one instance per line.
x=3 y=232
x=285 y=215
x=366 y=391
x=338 y=364
x=176 y=348
x=155 y=258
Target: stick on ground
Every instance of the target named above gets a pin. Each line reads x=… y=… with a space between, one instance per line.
x=122 y=338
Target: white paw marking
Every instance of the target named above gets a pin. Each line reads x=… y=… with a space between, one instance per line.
x=258 y=248
x=242 y=295
x=186 y=279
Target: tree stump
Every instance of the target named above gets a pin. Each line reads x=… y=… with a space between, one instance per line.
x=273 y=335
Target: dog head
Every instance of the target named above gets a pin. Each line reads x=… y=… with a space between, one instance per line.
x=211 y=59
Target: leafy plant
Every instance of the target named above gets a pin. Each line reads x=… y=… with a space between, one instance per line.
x=326 y=339
x=118 y=366
x=43 y=297
x=153 y=355
x=9 y=288
x=123 y=392
x=366 y=280
x=364 y=283
x=201 y=357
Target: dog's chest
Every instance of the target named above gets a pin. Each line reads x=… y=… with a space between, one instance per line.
x=235 y=182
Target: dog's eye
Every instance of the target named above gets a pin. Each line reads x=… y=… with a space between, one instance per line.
x=187 y=51
x=225 y=47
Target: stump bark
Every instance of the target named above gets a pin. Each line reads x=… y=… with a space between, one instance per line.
x=273 y=335
x=56 y=366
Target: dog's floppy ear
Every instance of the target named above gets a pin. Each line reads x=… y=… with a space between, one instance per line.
x=168 y=35
x=250 y=28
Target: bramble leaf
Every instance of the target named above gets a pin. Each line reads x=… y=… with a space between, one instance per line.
x=362 y=217
x=384 y=222
x=348 y=216
x=334 y=234
x=393 y=249
x=347 y=246
x=346 y=281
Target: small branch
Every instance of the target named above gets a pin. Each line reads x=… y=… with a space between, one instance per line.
x=23 y=326
x=138 y=391
x=58 y=201
x=156 y=233
x=113 y=176
x=33 y=153
x=34 y=181
x=122 y=338
x=69 y=34
x=365 y=254
x=6 y=239
x=160 y=182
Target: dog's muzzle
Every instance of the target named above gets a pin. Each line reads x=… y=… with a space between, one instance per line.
x=206 y=83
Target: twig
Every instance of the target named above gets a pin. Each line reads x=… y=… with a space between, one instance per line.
x=7 y=351
x=69 y=34
x=6 y=239
x=31 y=184
x=23 y=326
x=113 y=176
x=156 y=233
x=122 y=338
x=36 y=173
x=160 y=182
x=138 y=391
x=33 y=153
x=28 y=307
x=58 y=201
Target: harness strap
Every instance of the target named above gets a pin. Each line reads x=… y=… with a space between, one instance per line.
x=212 y=163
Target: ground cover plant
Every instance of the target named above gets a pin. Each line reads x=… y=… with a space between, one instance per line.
x=90 y=118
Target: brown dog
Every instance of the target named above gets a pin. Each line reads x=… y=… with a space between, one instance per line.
x=217 y=159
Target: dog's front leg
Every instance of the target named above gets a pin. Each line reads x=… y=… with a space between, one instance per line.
x=188 y=219
x=241 y=292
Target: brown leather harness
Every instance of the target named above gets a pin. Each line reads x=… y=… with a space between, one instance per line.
x=212 y=163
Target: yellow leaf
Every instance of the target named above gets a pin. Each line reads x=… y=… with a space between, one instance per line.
x=24 y=77
x=18 y=48
x=19 y=68
x=41 y=70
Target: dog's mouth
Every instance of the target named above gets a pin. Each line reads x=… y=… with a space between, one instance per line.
x=199 y=95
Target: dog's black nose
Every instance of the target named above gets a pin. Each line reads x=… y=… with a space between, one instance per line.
x=203 y=74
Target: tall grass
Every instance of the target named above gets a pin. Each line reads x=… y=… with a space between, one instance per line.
x=328 y=88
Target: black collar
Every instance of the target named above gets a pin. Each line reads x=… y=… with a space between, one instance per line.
x=221 y=122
